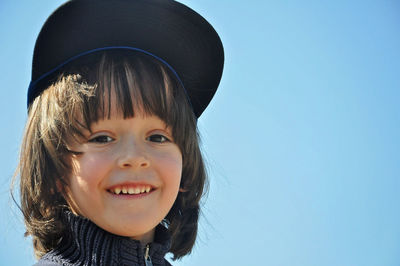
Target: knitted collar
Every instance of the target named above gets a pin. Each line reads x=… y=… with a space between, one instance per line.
x=88 y=244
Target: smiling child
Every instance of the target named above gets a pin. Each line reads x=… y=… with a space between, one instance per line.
x=110 y=169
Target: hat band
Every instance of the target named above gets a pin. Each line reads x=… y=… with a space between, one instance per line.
x=33 y=83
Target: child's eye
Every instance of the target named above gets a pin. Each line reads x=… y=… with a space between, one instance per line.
x=101 y=139
x=158 y=138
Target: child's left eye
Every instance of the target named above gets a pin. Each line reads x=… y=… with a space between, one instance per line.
x=158 y=138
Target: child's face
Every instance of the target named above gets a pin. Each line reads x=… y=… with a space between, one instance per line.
x=126 y=155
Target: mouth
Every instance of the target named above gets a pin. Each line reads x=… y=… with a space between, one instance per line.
x=131 y=189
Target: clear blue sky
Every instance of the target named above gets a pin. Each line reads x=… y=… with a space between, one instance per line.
x=301 y=140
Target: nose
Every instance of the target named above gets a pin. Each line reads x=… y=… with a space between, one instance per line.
x=132 y=155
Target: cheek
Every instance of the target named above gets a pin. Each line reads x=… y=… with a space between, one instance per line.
x=88 y=172
x=171 y=168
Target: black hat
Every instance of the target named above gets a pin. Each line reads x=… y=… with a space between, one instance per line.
x=165 y=29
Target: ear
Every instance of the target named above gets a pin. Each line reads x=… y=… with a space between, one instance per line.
x=183 y=190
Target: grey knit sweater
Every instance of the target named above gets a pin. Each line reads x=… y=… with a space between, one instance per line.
x=87 y=244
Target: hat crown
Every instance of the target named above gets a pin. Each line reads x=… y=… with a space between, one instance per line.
x=166 y=29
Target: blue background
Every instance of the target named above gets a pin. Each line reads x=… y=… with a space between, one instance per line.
x=301 y=140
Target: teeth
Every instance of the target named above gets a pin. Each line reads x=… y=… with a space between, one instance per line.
x=131 y=190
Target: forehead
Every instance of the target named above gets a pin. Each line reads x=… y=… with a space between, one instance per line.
x=139 y=122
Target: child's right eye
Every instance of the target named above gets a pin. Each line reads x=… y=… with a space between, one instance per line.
x=101 y=139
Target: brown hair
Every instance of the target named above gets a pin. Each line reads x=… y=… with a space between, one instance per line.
x=78 y=98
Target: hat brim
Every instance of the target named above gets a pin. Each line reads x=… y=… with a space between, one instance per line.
x=166 y=29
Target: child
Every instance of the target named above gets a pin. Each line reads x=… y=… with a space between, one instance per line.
x=110 y=170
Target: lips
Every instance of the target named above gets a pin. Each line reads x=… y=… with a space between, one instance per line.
x=130 y=189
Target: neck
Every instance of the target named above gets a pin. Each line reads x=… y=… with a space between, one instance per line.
x=146 y=238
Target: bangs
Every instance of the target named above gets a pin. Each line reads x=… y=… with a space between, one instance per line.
x=123 y=84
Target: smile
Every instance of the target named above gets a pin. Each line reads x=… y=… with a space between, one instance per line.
x=130 y=190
